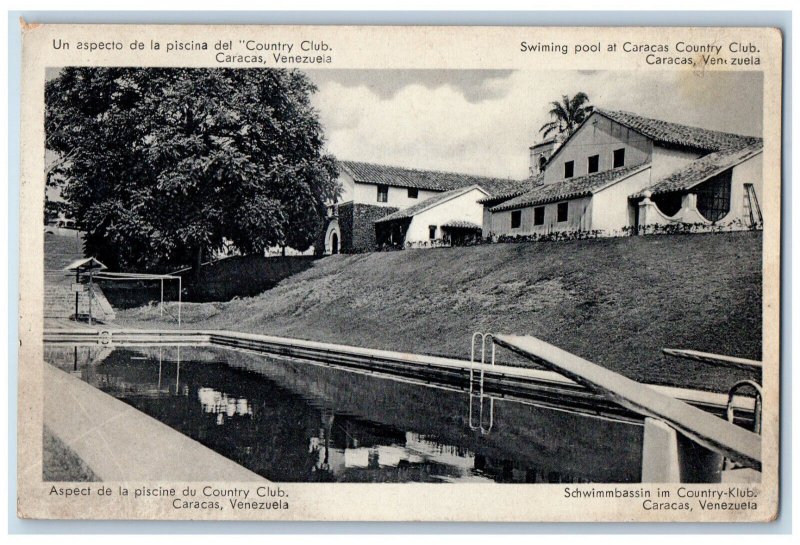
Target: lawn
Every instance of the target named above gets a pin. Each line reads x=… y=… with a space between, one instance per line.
x=616 y=302
x=60 y=463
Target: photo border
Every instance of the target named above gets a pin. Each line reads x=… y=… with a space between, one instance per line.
x=781 y=20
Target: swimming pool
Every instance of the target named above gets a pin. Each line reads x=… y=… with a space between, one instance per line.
x=292 y=421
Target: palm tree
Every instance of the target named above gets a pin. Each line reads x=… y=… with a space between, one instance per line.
x=567 y=114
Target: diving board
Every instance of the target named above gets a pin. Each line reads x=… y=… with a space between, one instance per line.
x=715 y=359
x=707 y=430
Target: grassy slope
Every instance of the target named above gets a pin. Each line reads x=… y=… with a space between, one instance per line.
x=60 y=251
x=616 y=302
x=243 y=276
x=60 y=463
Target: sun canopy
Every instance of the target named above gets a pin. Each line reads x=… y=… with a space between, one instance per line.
x=87 y=264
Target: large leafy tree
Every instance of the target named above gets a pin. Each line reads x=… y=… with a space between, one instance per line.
x=567 y=114
x=162 y=166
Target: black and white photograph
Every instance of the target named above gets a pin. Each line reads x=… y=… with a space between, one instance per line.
x=456 y=278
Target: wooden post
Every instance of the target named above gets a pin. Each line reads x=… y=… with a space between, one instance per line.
x=90 y=298
x=178 y=373
x=77 y=281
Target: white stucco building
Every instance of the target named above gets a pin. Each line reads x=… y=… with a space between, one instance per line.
x=372 y=192
x=452 y=217
x=620 y=173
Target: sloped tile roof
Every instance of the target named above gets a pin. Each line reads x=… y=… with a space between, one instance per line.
x=523 y=187
x=424 y=205
x=570 y=188
x=460 y=224
x=701 y=170
x=432 y=180
x=677 y=135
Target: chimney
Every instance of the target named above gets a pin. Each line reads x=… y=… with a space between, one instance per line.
x=540 y=153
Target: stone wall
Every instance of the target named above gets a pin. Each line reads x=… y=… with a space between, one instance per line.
x=357 y=224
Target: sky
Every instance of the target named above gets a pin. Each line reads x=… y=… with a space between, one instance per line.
x=483 y=121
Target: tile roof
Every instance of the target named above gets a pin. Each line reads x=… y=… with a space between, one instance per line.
x=432 y=180
x=424 y=205
x=543 y=142
x=702 y=169
x=523 y=187
x=461 y=224
x=570 y=188
x=677 y=135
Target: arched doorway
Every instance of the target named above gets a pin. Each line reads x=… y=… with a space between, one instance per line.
x=333 y=238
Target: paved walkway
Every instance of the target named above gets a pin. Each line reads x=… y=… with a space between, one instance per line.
x=120 y=443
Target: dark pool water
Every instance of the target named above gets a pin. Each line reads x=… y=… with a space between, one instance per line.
x=297 y=422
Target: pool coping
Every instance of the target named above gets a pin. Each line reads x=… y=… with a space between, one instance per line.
x=98 y=427
x=547 y=387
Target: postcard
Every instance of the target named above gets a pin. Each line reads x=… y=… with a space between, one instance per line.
x=399 y=273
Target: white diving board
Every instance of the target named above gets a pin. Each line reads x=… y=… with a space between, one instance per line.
x=713 y=433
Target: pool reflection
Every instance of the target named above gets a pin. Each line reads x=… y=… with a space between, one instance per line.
x=296 y=422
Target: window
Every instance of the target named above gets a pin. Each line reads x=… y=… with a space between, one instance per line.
x=569 y=169
x=516 y=219
x=431 y=232
x=619 y=158
x=542 y=163
x=714 y=197
x=383 y=193
x=594 y=163
x=538 y=215
x=413 y=192
x=563 y=211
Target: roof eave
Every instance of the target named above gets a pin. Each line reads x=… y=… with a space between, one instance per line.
x=349 y=171
x=575 y=194
x=705 y=178
x=527 y=204
x=614 y=181
x=500 y=198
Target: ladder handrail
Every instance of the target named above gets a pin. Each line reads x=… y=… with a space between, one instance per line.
x=715 y=359
x=480 y=426
x=754 y=202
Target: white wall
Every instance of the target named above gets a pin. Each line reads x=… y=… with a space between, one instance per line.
x=462 y=208
x=650 y=215
x=398 y=196
x=610 y=209
x=598 y=136
x=347 y=184
x=578 y=219
x=748 y=172
x=665 y=161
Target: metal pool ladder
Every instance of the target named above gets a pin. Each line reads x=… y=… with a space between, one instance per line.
x=480 y=395
x=754 y=367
